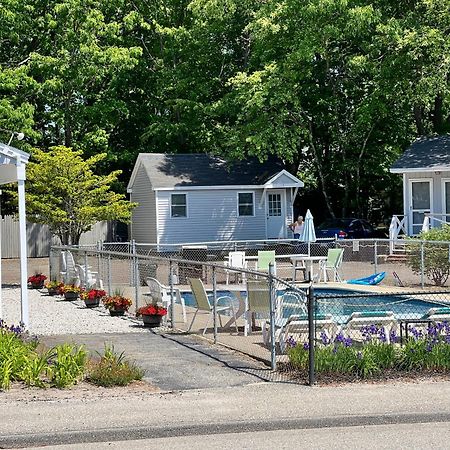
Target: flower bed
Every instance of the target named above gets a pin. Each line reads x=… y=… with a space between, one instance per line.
x=425 y=351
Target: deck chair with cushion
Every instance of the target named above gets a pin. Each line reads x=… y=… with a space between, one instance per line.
x=332 y=264
x=236 y=260
x=357 y=320
x=296 y=325
x=265 y=257
x=438 y=314
x=161 y=294
x=204 y=303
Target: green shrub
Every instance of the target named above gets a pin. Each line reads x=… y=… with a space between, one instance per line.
x=68 y=365
x=114 y=370
x=436 y=264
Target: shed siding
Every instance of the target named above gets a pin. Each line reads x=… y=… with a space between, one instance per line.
x=212 y=215
x=144 y=215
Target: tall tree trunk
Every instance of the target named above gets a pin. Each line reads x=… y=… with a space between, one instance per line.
x=67 y=124
x=438 y=116
x=418 y=118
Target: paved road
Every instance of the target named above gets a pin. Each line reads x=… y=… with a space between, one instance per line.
x=251 y=409
x=380 y=437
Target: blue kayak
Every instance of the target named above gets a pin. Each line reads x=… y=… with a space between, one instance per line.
x=370 y=280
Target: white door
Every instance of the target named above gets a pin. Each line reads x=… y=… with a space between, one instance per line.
x=275 y=213
x=420 y=203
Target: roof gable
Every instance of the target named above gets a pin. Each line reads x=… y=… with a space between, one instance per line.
x=427 y=154
x=203 y=170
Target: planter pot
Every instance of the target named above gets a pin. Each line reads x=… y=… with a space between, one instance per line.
x=151 y=321
x=37 y=285
x=71 y=295
x=117 y=312
x=91 y=302
x=52 y=291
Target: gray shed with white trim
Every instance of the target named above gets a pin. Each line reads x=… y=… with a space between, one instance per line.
x=201 y=198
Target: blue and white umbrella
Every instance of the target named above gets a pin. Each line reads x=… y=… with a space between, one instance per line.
x=308 y=234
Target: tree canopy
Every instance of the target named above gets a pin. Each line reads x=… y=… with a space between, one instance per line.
x=335 y=88
x=65 y=194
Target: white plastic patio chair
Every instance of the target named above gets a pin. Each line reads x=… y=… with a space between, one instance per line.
x=69 y=272
x=161 y=294
x=88 y=278
x=236 y=260
x=204 y=304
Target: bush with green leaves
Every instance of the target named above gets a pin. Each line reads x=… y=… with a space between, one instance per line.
x=427 y=349
x=436 y=263
x=114 y=370
x=61 y=366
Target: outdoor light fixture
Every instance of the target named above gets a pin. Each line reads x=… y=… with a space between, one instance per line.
x=18 y=135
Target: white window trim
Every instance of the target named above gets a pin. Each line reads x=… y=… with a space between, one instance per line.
x=187 y=207
x=443 y=200
x=253 y=202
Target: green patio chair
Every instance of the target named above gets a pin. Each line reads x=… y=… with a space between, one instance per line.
x=265 y=257
x=332 y=264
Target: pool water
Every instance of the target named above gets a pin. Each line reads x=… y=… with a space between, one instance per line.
x=342 y=303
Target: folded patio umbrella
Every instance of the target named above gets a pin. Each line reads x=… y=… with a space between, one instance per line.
x=308 y=234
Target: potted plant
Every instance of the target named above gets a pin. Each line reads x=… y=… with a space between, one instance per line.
x=36 y=281
x=92 y=297
x=70 y=291
x=117 y=304
x=151 y=315
x=54 y=287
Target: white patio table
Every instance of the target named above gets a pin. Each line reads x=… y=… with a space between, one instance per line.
x=309 y=263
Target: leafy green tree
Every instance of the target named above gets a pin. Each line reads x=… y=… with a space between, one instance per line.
x=64 y=193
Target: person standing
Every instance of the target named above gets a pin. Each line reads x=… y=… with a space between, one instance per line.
x=297 y=227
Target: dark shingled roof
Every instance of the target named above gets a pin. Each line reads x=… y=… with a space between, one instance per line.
x=169 y=170
x=426 y=153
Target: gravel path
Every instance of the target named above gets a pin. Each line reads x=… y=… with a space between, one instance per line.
x=53 y=315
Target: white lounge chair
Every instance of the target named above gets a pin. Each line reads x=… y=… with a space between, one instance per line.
x=236 y=260
x=366 y=318
x=438 y=314
x=161 y=294
x=204 y=304
x=297 y=325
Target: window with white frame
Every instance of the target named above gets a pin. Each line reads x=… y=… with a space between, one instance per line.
x=178 y=205
x=246 y=204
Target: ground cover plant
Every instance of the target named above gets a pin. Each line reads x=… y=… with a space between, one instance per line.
x=114 y=370
x=426 y=350
x=23 y=360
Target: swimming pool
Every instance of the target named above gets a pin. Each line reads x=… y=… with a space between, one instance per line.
x=342 y=303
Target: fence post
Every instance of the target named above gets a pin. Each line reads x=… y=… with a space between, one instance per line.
x=99 y=257
x=422 y=265
x=109 y=276
x=172 y=297
x=273 y=356
x=84 y=283
x=311 y=333
x=133 y=251
x=375 y=250
x=214 y=285
x=136 y=280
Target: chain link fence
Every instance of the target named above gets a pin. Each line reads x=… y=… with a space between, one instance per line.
x=260 y=311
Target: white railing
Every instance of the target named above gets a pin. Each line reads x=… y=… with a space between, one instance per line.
x=430 y=218
x=398 y=227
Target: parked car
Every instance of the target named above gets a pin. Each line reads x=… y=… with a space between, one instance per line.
x=347 y=229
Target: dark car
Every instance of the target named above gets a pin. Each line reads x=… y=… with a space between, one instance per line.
x=347 y=229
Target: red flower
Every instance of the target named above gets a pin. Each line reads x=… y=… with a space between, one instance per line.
x=151 y=310
x=39 y=278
